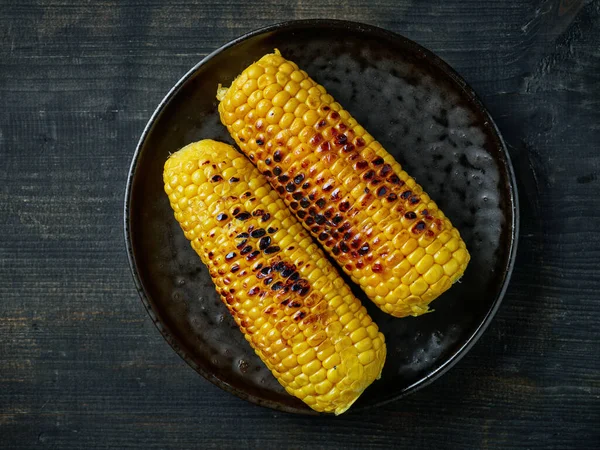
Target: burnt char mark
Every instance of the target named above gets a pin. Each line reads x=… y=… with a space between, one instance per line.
x=298 y=179
x=216 y=178
x=410 y=215
x=243 y=216
x=344 y=206
x=277 y=171
x=378 y=161
x=266 y=217
x=277 y=156
x=405 y=194
x=252 y=256
x=247 y=249
x=392 y=197
x=258 y=233
x=271 y=250
x=242 y=243
x=364 y=249
x=235 y=268
x=229 y=256
x=369 y=175
x=222 y=217
x=234 y=179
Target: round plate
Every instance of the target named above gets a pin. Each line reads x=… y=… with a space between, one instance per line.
x=422 y=112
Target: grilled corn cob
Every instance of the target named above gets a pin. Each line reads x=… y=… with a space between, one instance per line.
x=368 y=213
x=288 y=300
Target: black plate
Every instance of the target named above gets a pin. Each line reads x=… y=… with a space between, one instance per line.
x=422 y=112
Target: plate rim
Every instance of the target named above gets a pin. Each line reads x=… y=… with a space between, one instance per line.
x=437 y=61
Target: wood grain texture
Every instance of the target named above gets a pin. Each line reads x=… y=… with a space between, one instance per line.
x=82 y=366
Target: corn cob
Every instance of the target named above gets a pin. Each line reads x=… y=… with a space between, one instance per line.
x=368 y=213
x=290 y=303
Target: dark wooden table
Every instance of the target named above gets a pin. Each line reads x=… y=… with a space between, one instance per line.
x=82 y=366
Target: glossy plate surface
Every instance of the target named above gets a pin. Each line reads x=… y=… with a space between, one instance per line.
x=422 y=112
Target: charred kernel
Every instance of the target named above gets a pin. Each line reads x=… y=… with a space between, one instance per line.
x=360 y=264
x=283 y=178
x=294 y=276
x=285 y=302
x=280 y=189
x=364 y=249
x=344 y=247
x=299 y=178
x=325 y=147
x=341 y=139
x=243 y=216
x=347 y=235
x=229 y=256
x=378 y=161
x=335 y=250
x=348 y=148
x=410 y=215
x=271 y=230
x=430 y=218
x=278 y=285
x=297 y=195
x=217 y=178
x=299 y=316
x=315 y=229
x=375 y=181
x=246 y=249
x=334 y=115
x=258 y=266
x=301 y=214
x=369 y=175
x=252 y=255
x=335 y=195
x=242 y=235
x=321 y=202
x=304 y=203
x=267 y=173
x=385 y=170
x=277 y=156
x=414 y=200
x=425 y=212
x=420 y=226
x=268 y=161
x=337 y=219
x=327 y=187
x=320 y=219
x=258 y=233
x=277 y=171
x=290 y=187
x=429 y=233
x=322 y=123
x=381 y=191
x=294 y=205
x=279 y=266
x=360 y=142
x=222 y=217
x=234 y=179
x=377 y=268
x=392 y=197
x=405 y=194
x=309 y=221
x=305 y=185
x=344 y=206
x=311 y=197
x=361 y=165
x=326 y=108
x=236 y=211
x=355 y=243
x=266 y=217
x=316 y=139
x=253 y=291
x=287 y=272
x=268 y=281
x=258 y=212
x=323 y=236
x=395 y=180
x=241 y=244
x=210 y=255
x=272 y=249
x=366 y=190
x=235 y=268
x=260 y=142
x=266 y=270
